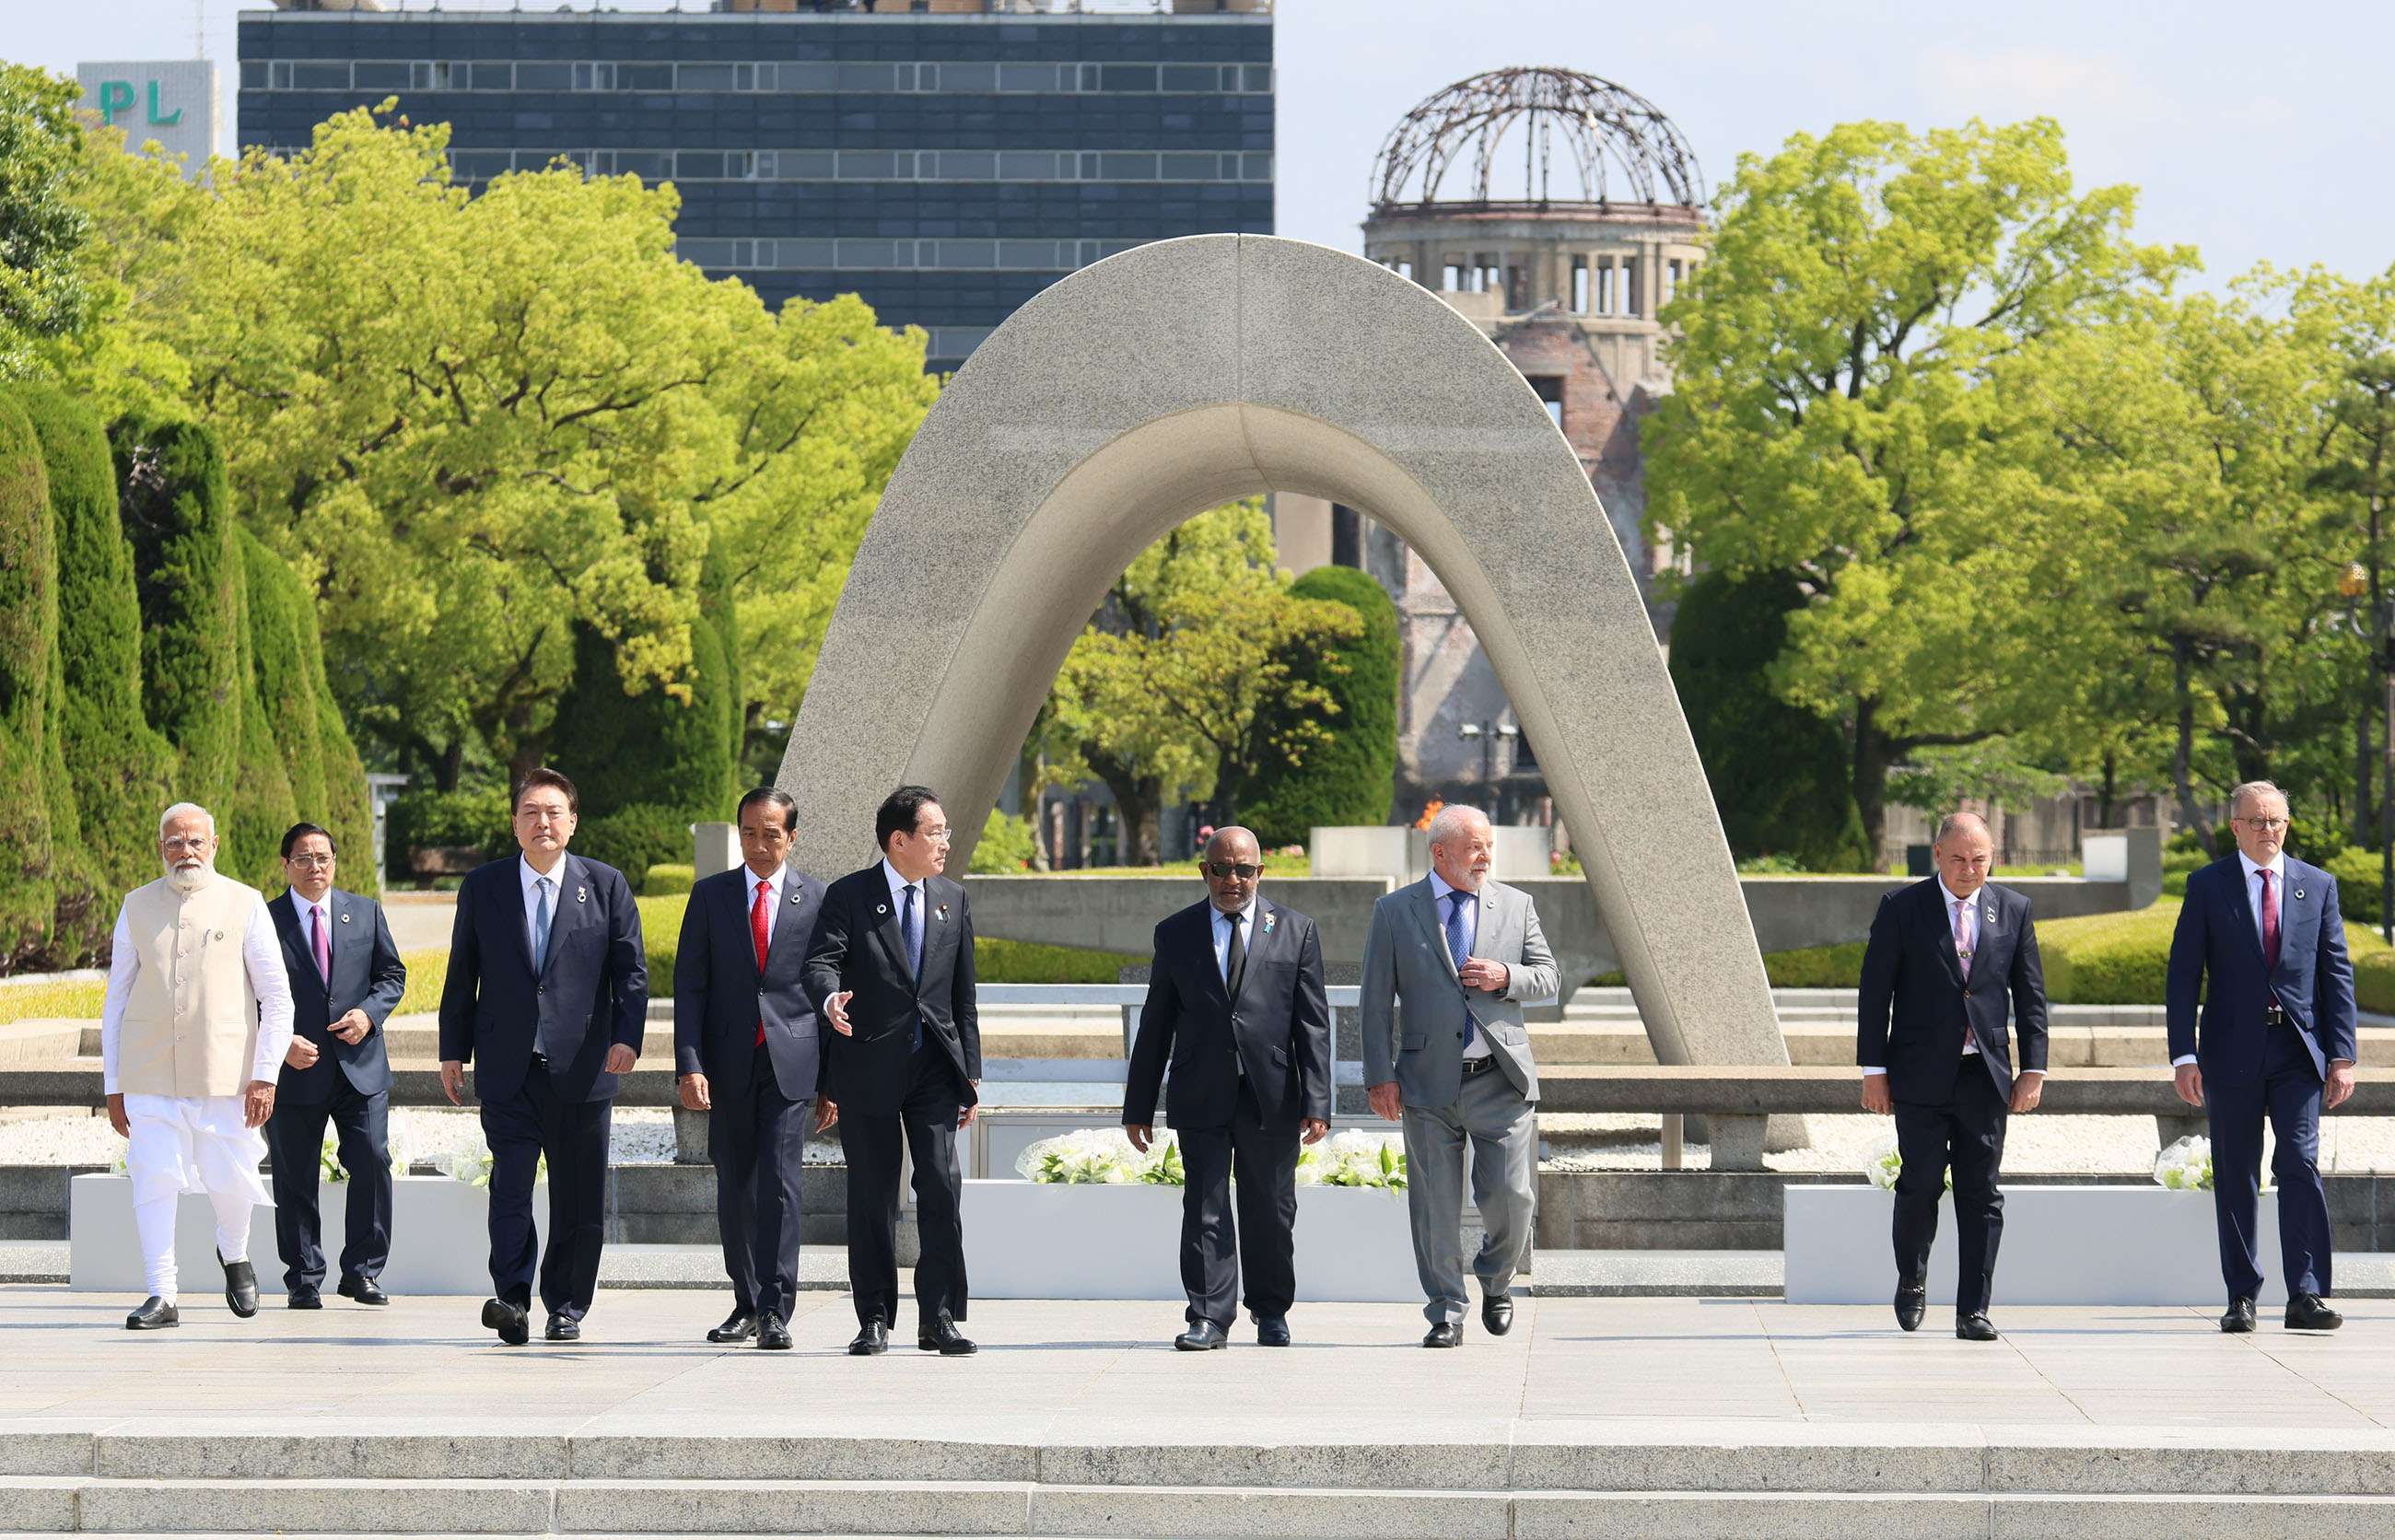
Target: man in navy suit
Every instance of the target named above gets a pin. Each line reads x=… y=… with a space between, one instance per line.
x=1235 y=1006
x=2261 y=941
x=346 y=979
x=1946 y=956
x=891 y=967
x=745 y=1054
x=547 y=994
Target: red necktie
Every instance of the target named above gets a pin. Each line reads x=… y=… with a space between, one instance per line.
x=323 y=945
x=2269 y=920
x=757 y=933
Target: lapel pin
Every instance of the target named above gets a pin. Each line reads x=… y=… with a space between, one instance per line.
x=1991 y=916
x=1269 y=918
x=943 y=911
x=344 y=917
x=881 y=909
x=2299 y=893
x=582 y=895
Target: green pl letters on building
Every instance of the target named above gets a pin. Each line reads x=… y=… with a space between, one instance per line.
x=174 y=102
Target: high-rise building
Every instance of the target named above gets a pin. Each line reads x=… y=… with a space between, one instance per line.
x=945 y=162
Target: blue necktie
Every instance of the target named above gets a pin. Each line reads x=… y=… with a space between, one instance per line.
x=1458 y=946
x=540 y=953
x=912 y=936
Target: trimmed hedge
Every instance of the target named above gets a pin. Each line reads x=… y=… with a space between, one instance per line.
x=113 y=757
x=1348 y=779
x=308 y=739
x=40 y=833
x=171 y=489
x=669 y=877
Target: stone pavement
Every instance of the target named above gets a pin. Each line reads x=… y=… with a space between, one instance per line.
x=1679 y=1417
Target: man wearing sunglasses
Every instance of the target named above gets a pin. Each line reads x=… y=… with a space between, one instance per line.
x=2261 y=942
x=1236 y=1007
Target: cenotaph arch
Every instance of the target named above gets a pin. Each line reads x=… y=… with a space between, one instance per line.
x=1186 y=373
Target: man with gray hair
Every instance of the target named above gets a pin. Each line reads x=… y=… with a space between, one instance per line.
x=1947 y=956
x=2261 y=942
x=192 y=1032
x=1448 y=963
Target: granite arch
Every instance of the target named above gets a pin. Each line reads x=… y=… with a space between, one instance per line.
x=1184 y=374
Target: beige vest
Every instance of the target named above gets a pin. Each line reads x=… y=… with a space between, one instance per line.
x=191 y=1024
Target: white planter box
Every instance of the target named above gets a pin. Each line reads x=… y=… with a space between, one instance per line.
x=440 y=1238
x=1030 y=1240
x=2061 y=1245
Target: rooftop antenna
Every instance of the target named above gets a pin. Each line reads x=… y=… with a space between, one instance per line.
x=199 y=28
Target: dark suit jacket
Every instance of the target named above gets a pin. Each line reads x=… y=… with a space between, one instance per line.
x=367 y=976
x=856 y=946
x=1915 y=1000
x=1277 y=1033
x=591 y=993
x=2215 y=954
x=719 y=997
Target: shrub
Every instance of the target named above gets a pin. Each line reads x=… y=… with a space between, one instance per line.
x=2374 y=980
x=173 y=509
x=1778 y=773
x=458 y=819
x=1005 y=844
x=1350 y=777
x=40 y=836
x=2357 y=872
x=633 y=839
x=114 y=760
x=295 y=700
x=1004 y=962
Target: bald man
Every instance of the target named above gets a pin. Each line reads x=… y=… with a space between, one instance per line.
x=1947 y=954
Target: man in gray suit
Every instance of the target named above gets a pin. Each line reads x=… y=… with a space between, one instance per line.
x=1452 y=1063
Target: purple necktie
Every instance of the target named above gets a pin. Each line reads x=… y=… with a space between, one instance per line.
x=323 y=945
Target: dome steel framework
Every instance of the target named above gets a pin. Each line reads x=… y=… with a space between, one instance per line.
x=1610 y=131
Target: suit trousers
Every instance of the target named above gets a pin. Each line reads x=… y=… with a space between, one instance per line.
x=757 y=1139
x=1247 y=1166
x=926 y=1122
x=573 y=1135
x=2288 y=1093
x=1967 y=1132
x=295 y=1143
x=1493 y=1130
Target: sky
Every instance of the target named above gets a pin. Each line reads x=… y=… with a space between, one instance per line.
x=2253 y=130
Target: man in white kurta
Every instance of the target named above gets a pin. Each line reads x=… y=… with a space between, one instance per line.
x=192 y=1038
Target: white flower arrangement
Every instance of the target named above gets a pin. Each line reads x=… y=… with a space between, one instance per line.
x=1101 y=1157
x=1886 y=1162
x=1354 y=1159
x=2186 y=1167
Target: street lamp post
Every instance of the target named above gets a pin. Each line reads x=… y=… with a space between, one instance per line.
x=2355 y=582
x=1488 y=734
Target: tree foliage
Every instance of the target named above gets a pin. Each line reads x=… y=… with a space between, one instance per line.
x=1346 y=771
x=43 y=229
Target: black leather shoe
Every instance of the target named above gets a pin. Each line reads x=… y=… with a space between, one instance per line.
x=872 y=1338
x=305 y=1299
x=563 y=1328
x=941 y=1337
x=2241 y=1314
x=2310 y=1312
x=1202 y=1337
x=771 y=1333
x=1497 y=1313
x=1911 y=1303
x=241 y=1287
x=739 y=1326
x=365 y=1291
x=1272 y=1331
x=1447 y=1334
x=513 y=1322
x=153 y=1314
x=1974 y=1328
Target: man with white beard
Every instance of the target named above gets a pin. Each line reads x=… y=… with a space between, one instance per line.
x=192 y=1036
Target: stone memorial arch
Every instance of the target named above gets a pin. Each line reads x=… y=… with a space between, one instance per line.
x=1183 y=375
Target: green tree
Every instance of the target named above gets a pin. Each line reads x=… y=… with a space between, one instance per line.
x=304 y=731
x=119 y=767
x=1832 y=419
x=43 y=229
x=1348 y=773
x=1778 y=773
x=174 y=511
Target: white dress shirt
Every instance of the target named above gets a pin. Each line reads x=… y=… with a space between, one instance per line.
x=2253 y=871
x=260 y=950
x=772 y=886
x=1223 y=938
x=1970 y=939
x=1474 y=1046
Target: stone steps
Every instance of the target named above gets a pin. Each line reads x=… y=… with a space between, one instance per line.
x=1564 y=1479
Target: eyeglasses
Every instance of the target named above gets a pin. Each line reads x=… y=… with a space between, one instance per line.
x=935 y=836
x=2264 y=825
x=177 y=845
x=308 y=861
x=1238 y=869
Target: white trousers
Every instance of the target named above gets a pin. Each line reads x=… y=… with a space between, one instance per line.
x=191 y=1144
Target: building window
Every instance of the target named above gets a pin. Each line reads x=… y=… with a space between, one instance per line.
x=1580 y=285
x=1347 y=537
x=1551 y=390
x=1633 y=301
x=1518 y=289
x=1452 y=278
x=1671 y=280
